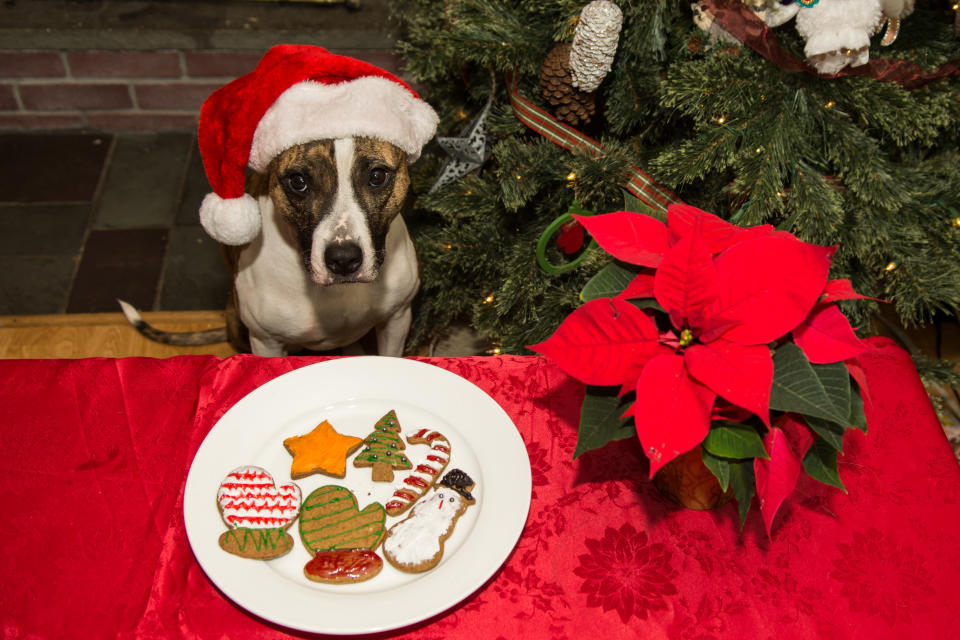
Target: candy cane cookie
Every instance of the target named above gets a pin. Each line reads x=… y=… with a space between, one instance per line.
x=424 y=475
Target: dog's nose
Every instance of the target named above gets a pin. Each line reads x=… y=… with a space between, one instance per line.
x=343 y=258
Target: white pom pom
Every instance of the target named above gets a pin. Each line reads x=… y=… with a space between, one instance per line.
x=232 y=221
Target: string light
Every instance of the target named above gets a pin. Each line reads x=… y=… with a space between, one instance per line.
x=488 y=299
x=759 y=150
x=721 y=119
x=891 y=266
x=571 y=176
x=519 y=177
x=829 y=105
x=956 y=222
x=462 y=114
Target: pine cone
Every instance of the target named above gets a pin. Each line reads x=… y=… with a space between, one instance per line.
x=573 y=106
x=595 y=43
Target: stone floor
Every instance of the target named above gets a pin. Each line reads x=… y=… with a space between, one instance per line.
x=88 y=218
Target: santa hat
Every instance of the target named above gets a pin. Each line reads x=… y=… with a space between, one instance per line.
x=297 y=94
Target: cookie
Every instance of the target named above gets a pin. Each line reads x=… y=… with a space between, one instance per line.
x=424 y=475
x=323 y=450
x=331 y=519
x=257 y=512
x=415 y=544
x=343 y=566
x=383 y=450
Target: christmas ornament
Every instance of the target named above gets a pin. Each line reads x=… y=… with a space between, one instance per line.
x=297 y=93
x=594 y=44
x=837 y=33
x=467 y=152
x=573 y=106
x=893 y=12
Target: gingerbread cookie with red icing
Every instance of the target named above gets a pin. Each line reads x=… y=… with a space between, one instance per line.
x=257 y=513
x=426 y=471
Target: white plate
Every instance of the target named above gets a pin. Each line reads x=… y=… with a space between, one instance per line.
x=353 y=393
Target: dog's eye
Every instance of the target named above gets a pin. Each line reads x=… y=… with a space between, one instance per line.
x=297 y=182
x=378 y=177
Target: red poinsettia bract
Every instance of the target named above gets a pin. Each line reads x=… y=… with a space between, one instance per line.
x=728 y=293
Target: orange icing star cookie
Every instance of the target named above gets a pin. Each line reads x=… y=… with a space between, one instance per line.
x=322 y=450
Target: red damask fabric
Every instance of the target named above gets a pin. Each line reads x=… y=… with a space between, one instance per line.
x=98 y=451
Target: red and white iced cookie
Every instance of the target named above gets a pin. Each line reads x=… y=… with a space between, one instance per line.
x=257 y=512
x=425 y=473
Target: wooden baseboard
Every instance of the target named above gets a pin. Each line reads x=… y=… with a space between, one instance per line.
x=87 y=335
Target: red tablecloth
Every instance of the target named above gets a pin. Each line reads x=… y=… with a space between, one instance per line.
x=95 y=546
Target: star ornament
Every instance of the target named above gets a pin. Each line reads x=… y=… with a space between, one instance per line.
x=323 y=450
x=467 y=153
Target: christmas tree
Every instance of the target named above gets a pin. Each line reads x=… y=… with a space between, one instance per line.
x=383 y=449
x=725 y=106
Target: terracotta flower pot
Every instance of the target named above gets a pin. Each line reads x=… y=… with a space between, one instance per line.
x=689 y=483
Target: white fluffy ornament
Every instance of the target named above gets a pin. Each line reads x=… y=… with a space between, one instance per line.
x=595 y=42
x=837 y=33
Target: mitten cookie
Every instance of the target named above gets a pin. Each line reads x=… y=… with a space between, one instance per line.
x=415 y=543
x=414 y=484
x=384 y=449
x=257 y=512
x=340 y=536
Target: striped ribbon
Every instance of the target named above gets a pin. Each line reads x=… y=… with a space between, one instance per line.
x=645 y=188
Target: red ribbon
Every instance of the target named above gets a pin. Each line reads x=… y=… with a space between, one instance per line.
x=737 y=18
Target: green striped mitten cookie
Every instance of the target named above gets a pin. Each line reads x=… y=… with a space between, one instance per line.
x=330 y=519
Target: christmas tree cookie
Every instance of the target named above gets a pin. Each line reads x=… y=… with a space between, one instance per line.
x=383 y=450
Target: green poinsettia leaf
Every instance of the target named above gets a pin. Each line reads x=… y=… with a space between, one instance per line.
x=634 y=204
x=608 y=283
x=719 y=466
x=829 y=432
x=822 y=391
x=858 y=419
x=601 y=421
x=734 y=440
x=743 y=482
x=821 y=463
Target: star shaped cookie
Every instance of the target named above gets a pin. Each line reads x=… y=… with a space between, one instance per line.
x=323 y=450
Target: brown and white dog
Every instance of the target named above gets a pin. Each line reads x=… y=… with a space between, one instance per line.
x=333 y=259
x=313 y=234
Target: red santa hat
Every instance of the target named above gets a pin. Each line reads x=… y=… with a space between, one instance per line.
x=297 y=94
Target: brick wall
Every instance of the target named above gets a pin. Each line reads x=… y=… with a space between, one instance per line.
x=121 y=90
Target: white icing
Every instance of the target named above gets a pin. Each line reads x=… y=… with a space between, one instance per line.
x=417 y=538
x=249 y=498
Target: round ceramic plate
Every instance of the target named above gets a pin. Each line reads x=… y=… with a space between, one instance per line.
x=352 y=394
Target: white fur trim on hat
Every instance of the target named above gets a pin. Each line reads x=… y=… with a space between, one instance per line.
x=368 y=106
x=232 y=221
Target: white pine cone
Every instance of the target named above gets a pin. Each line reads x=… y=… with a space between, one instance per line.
x=595 y=43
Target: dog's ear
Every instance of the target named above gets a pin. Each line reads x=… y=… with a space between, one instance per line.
x=257 y=184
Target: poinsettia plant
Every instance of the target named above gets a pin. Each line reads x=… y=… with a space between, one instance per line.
x=706 y=333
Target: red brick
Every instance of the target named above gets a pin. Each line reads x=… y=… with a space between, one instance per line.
x=31 y=64
x=173 y=95
x=8 y=100
x=382 y=58
x=220 y=64
x=78 y=95
x=141 y=122
x=117 y=64
x=40 y=122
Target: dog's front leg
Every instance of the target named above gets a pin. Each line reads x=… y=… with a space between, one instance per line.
x=392 y=333
x=266 y=346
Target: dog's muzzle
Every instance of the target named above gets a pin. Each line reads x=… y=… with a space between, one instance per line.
x=343 y=258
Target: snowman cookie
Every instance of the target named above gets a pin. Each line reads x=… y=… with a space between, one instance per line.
x=415 y=544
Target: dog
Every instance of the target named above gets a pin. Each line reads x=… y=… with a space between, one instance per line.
x=333 y=258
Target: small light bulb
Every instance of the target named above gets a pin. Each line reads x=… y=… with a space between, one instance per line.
x=759 y=149
x=829 y=105
x=721 y=119
x=956 y=222
x=571 y=176
x=891 y=266
x=488 y=299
